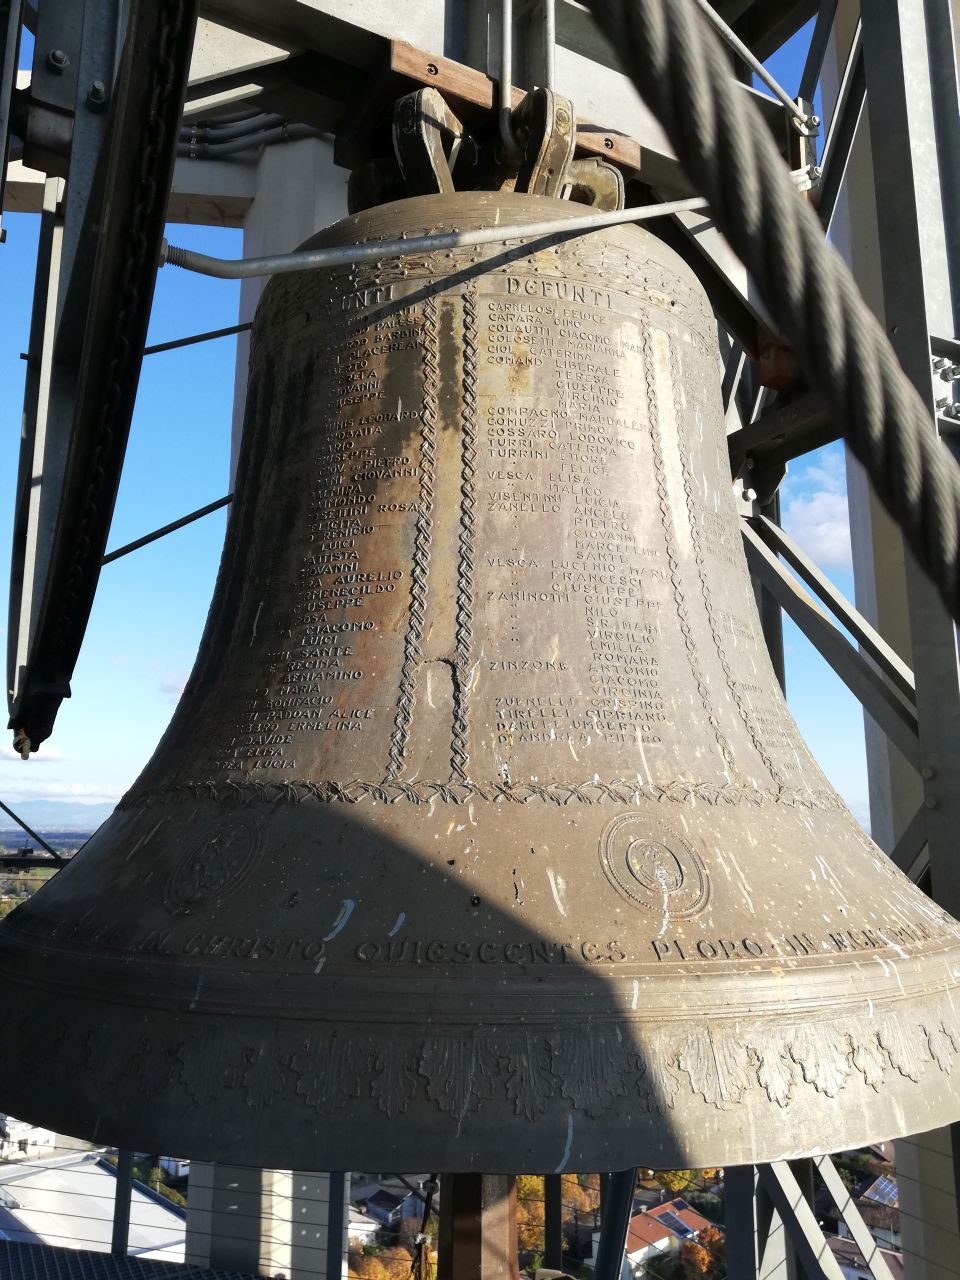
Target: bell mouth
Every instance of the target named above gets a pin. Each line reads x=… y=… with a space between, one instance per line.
x=545 y=1068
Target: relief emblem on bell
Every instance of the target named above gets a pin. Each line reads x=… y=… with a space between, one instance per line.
x=216 y=864
x=654 y=867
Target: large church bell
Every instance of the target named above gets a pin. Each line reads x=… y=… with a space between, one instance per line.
x=482 y=838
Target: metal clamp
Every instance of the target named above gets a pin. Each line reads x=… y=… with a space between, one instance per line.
x=427 y=137
x=594 y=182
x=546 y=128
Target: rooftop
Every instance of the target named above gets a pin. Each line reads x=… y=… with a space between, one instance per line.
x=68 y=1201
x=32 y=1262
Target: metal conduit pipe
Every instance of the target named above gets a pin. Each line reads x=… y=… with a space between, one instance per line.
x=544 y=234
x=286 y=133
x=226 y=133
x=754 y=63
x=549 y=42
x=509 y=139
x=230 y=117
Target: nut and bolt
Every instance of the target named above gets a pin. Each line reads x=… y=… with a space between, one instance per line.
x=57 y=61
x=97 y=95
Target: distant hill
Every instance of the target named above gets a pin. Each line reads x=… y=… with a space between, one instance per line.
x=57 y=815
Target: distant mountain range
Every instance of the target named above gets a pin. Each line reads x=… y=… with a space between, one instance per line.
x=57 y=815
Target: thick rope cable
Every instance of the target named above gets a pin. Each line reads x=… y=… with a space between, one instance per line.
x=677 y=64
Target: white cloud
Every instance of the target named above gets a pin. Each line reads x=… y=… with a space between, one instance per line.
x=820 y=523
x=815 y=512
x=38 y=789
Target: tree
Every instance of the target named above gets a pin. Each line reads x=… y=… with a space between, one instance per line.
x=695 y=1261
x=676 y=1180
x=530 y=1214
x=580 y=1194
x=366 y=1268
x=396 y=1262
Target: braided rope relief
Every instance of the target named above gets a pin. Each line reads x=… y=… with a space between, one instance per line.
x=619 y=791
x=673 y=563
x=725 y=1065
x=465 y=550
x=422 y=540
x=746 y=714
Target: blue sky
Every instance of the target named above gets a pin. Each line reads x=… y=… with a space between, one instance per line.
x=150 y=607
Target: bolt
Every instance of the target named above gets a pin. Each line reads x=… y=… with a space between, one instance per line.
x=814 y=122
x=97 y=95
x=750 y=495
x=608 y=143
x=928 y=772
x=932 y=802
x=57 y=61
x=952 y=411
x=432 y=69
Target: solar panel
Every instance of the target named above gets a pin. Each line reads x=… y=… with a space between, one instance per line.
x=884 y=1191
x=681 y=1204
x=675 y=1224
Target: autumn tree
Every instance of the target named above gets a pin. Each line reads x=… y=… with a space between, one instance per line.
x=696 y=1262
x=362 y=1267
x=676 y=1180
x=580 y=1194
x=530 y=1214
x=396 y=1262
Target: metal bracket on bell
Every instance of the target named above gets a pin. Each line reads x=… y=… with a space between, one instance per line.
x=596 y=183
x=427 y=137
x=546 y=127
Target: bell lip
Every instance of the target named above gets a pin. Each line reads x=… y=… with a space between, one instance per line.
x=145 y=1087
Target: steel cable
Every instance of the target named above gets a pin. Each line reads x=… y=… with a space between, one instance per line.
x=677 y=64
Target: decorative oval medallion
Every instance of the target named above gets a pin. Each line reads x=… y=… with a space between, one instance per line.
x=215 y=864
x=653 y=866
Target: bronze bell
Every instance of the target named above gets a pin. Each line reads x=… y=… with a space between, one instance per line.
x=482 y=837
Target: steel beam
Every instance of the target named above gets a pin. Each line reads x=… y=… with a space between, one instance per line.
x=9 y=57
x=859 y=1231
x=817 y=49
x=121 y=1204
x=910 y=853
x=889 y=662
x=920 y=265
x=843 y=131
x=885 y=705
x=800 y=1225
x=781 y=433
x=96 y=342
x=615 y=1224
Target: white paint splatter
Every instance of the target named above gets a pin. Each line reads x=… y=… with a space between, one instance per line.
x=556 y=892
x=636 y=994
x=345 y=912
x=567 y=1148
x=256 y=619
